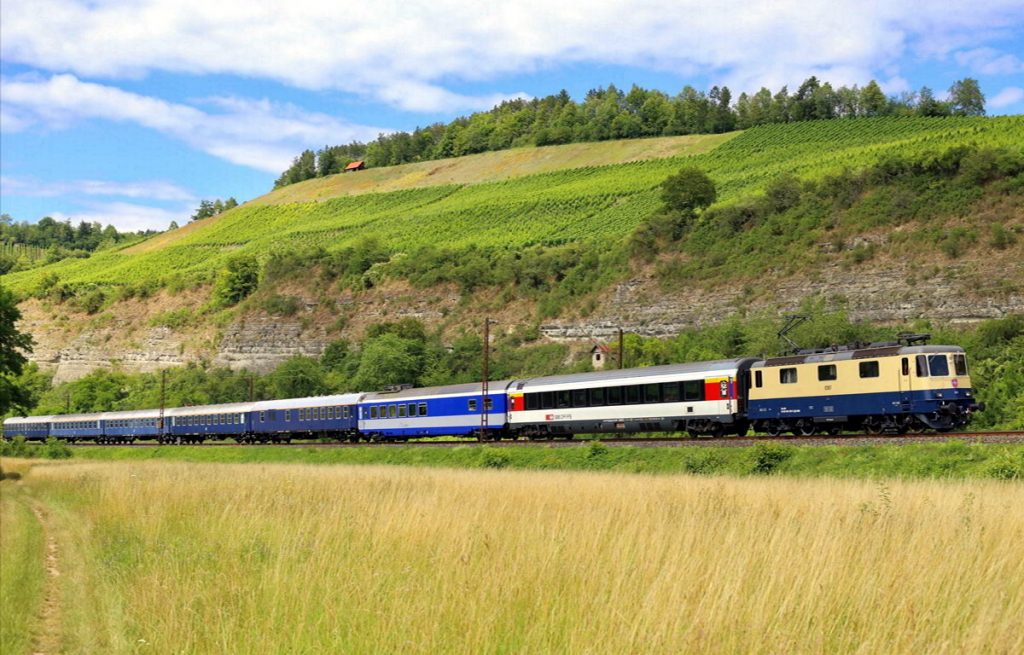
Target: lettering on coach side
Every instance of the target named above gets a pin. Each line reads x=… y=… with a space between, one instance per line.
x=557 y=417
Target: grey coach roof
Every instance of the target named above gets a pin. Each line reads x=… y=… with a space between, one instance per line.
x=497 y=386
x=637 y=373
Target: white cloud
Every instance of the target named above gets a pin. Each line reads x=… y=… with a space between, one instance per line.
x=151 y=190
x=259 y=134
x=988 y=61
x=408 y=53
x=1009 y=96
x=128 y=217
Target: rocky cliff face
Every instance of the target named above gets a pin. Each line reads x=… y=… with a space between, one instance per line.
x=887 y=291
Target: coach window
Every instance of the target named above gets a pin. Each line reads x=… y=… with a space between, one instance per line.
x=826 y=372
x=373 y=411
x=652 y=393
x=597 y=397
x=670 y=392
x=488 y=404
x=938 y=366
x=921 y=363
x=547 y=400
x=532 y=401
x=472 y=404
x=579 y=398
x=693 y=390
x=869 y=369
x=632 y=394
x=391 y=411
x=563 y=399
x=412 y=409
x=263 y=417
x=787 y=375
x=614 y=395
x=423 y=409
x=287 y=416
x=401 y=411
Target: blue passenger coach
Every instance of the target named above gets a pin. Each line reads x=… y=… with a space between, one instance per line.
x=281 y=420
x=126 y=427
x=30 y=427
x=453 y=410
x=72 y=427
x=196 y=424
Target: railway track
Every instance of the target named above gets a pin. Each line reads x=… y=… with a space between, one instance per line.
x=1008 y=437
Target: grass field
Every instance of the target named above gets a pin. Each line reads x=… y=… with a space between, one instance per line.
x=949 y=460
x=21 y=570
x=169 y=557
x=484 y=207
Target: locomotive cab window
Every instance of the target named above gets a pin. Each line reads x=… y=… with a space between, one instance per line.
x=787 y=375
x=758 y=379
x=869 y=369
x=921 y=363
x=826 y=372
x=960 y=363
x=938 y=365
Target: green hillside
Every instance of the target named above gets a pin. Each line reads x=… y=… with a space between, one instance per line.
x=597 y=202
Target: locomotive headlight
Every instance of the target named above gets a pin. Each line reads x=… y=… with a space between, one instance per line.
x=938 y=394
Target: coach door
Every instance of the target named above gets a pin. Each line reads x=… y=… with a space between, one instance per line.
x=906 y=385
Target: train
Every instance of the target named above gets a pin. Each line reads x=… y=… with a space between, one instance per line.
x=885 y=387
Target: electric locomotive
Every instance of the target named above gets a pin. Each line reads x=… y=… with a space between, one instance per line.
x=883 y=387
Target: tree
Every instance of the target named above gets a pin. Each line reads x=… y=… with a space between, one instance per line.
x=238 y=280
x=927 y=105
x=13 y=346
x=966 y=98
x=688 y=191
x=872 y=100
x=298 y=377
x=386 y=360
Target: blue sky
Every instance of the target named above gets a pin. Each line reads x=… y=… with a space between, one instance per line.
x=131 y=112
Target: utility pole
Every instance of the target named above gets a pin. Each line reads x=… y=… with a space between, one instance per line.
x=250 y=388
x=622 y=349
x=163 y=397
x=484 y=386
x=67 y=401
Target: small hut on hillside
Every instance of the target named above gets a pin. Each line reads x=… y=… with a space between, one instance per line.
x=355 y=166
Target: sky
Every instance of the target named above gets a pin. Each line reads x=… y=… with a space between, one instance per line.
x=129 y=112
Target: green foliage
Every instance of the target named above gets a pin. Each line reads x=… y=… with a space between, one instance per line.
x=594 y=207
x=494 y=458
x=276 y=304
x=19 y=447
x=14 y=345
x=767 y=458
x=688 y=191
x=239 y=279
x=298 y=377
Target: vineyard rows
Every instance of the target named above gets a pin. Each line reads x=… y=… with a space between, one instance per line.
x=590 y=203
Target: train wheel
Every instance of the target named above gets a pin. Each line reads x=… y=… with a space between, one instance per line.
x=873 y=425
x=806 y=428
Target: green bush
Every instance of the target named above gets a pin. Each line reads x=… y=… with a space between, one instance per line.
x=494 y=458
x=768 y=457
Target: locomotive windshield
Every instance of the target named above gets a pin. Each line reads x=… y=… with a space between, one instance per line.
x=938 y=365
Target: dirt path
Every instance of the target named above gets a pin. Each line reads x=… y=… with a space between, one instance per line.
x=47 y=640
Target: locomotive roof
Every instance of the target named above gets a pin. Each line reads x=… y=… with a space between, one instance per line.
x=631 y=373
x=496 y=386
x=863 y=353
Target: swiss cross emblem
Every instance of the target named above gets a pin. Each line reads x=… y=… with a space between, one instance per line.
x=956 y=383
x=549 y=417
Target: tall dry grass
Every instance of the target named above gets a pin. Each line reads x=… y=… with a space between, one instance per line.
x=285 y=558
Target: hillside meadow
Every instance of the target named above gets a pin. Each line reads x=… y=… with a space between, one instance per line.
x=170 y=557
x=486 y=206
